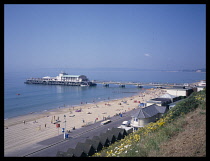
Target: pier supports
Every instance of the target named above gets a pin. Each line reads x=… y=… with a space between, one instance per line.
x=122 y=85
x=139 y=86
x=106 y=85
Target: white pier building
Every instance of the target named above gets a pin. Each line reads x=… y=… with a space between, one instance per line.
x=71 y=78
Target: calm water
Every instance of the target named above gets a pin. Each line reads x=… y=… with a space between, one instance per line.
x=37 y=98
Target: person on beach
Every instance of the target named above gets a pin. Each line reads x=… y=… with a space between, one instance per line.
x=83 y=120
x=45 y=125
x=24 y=121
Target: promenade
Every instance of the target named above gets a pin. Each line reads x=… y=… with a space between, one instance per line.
x=52 y=145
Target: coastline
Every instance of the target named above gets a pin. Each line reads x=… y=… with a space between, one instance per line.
x=39 y=126
x=59 y=110
x=62 y=109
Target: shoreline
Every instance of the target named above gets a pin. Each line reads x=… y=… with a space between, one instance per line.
x=33 y=128
x=95 y=100
x=62 y=109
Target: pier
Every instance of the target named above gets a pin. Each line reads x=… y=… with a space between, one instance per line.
x=106 y=83
x=141 y=85
x=82 y=80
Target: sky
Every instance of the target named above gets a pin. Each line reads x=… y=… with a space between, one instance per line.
x=165 y=37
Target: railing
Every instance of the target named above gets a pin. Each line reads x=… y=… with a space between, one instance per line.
x=140 y=83
x=45 y=79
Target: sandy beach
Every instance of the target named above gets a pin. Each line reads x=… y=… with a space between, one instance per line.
x=21 y=132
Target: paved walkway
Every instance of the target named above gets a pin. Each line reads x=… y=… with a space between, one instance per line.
x=49 y=147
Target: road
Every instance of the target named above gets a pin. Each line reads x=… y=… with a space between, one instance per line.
x=50 y=147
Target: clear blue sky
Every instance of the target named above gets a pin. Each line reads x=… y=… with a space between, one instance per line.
x=116 y=36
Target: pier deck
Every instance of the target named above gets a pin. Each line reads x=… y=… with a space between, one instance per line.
x=140 y=84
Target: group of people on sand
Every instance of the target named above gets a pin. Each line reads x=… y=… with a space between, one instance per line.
x=142 y=97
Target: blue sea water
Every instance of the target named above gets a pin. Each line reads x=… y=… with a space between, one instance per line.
x=37 y=98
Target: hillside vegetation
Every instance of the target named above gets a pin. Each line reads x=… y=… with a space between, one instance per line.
x=180 y=132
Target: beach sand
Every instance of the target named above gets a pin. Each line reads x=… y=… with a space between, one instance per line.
x=24 y=131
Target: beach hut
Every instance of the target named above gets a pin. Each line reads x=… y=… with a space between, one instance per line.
x=122 y=131
x=64 y=154
x=116 y=133
x=85 y=147
x=110 y=137
x=60 y=154
x=70 y=152
x=69 y=155
x=104 y=140
x=77 y=152
x=146 y=115
x=97 y=145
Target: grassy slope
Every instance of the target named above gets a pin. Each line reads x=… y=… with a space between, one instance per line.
x=181 y=132
x=191 y=141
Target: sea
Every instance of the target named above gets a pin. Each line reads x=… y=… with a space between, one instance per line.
x=34 y=98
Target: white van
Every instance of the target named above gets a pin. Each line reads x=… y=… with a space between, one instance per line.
x=125 y=123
